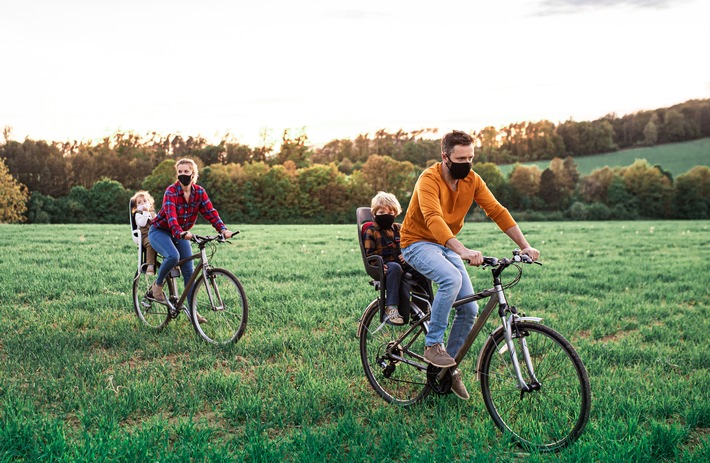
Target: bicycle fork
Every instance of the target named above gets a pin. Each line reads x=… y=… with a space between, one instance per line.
x=510 y=346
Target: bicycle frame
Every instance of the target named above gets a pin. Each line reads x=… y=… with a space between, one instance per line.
x=497 y=298
x=202 y=267
x=508 y=315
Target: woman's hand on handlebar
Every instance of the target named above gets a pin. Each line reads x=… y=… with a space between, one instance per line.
x=227 y=234
x=187 y=236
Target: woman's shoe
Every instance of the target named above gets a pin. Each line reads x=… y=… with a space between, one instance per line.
x=157 y=292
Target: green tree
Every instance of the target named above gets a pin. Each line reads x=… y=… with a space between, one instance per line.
x=650 y=132
x=595 y=186
x=293 y=148
x=386 y=174
x=13 y=197
x=651 y=187
x=525 y=183
x=692 y=194
x=37 y=165
x=673 y=126
x=108 y=202
x=159 y=179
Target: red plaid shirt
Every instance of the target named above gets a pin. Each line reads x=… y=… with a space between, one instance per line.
x=178 y=215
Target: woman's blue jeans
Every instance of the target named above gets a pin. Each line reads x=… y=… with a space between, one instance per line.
x=445 y=268
x=172 y=251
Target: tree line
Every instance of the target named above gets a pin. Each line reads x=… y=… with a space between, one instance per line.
x=77 y=182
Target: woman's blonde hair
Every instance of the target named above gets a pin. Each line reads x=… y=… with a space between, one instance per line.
x=383 y=199
x=146 y=195
x=195 y=174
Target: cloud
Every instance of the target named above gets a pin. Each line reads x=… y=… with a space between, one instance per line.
x=552 y=7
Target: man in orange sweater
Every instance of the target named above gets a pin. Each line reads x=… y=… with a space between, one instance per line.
x=442 y=197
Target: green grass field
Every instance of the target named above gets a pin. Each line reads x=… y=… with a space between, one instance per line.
x=676 y=158
x=82 y=380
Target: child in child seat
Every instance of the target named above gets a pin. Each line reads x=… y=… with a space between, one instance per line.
x=144 y=213
x=382 y=238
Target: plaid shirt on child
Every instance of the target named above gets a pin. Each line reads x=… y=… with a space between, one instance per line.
x=178 y=215
x=382 y=242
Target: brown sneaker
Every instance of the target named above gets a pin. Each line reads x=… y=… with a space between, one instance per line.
x=392 y=316
x=437 y=356
x=157 y=293
x=200 y=318
x=457 y=386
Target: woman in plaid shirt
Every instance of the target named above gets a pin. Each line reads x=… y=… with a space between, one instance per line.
x=169 y=233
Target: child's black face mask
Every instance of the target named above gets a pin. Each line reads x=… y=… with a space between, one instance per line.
x=384 y=220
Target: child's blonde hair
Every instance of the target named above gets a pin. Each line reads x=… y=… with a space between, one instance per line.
x=195 y=174
x=146 y=195
x=382 y=200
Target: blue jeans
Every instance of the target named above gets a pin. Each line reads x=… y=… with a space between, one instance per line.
x=172 y=251
x=445 y=268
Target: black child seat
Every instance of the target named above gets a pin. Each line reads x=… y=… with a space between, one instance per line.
x=421 y=289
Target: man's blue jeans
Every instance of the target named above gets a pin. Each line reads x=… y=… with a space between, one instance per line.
x=172 y=251
x=445 y=268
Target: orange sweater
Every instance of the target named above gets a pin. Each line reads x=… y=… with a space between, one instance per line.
x=436 y=212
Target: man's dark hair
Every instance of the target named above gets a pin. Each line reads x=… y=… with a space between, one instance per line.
x=454 y=138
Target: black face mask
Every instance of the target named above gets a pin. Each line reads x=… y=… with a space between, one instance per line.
x=185 y=179
x=384 y=220
x=458 y=170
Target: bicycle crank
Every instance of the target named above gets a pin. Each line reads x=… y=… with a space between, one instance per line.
x=439 y=385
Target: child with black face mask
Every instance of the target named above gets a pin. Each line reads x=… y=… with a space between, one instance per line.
x=382 y=239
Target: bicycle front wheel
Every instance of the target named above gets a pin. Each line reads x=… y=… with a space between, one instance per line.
x=153 y=314
x=221 y=300
x=392 y=358
x=554 y=413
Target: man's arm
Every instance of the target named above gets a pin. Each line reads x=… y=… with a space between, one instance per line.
x=517 y=236
x=468 y=255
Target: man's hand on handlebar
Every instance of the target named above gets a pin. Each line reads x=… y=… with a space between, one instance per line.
x=472 y=257
x=533 y=253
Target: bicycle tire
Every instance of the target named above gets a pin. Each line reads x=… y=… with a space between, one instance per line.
x=546 y=419
x=394 y=380
x=154 y=315
x=226 y=321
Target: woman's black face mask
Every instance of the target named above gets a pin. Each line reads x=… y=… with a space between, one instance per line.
x=384 y=220
x=185 y=179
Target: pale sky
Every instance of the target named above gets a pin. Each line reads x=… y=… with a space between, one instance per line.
x=84 y=69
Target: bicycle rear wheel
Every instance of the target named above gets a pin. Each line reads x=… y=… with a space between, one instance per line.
x=153 y=314
x=555 y=414
x=391 y=357
x=222 y=301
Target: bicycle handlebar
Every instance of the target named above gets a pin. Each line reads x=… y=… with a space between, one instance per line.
x=518 y=258
x=201 y=239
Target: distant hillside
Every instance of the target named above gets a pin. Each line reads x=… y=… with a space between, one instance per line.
x=676 y=158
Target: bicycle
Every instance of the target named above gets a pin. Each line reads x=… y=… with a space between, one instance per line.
x=218 y=295
x=534 y=385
